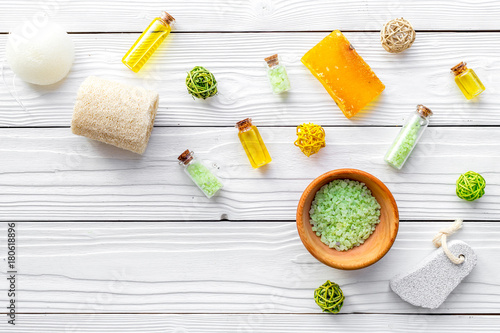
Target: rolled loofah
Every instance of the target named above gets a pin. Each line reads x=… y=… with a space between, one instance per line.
x=43 y=56
x=397 y=35
x=115 y=113
x=470 y=186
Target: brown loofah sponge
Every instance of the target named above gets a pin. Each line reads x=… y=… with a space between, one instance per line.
x=115 y=113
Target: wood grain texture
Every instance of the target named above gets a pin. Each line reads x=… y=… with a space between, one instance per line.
x=420 y=75
x=51 y=174
x=250 y=323
x=255 y=15
x=224 y=267
x=190 y=275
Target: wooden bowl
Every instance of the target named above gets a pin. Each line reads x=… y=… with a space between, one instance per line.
x=375 y=247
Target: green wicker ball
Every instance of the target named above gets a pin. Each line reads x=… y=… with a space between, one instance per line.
x=329 y=297
x=470 y=186
x=201 y=83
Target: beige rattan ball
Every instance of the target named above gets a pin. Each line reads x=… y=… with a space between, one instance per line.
x=397 y=35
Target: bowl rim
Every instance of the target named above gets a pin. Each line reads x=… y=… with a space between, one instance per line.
x=302 y=229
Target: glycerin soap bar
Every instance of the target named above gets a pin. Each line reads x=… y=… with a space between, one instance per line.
x=344 y=74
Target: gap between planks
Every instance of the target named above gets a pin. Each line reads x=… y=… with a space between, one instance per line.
x=251 y=313
x=272 y=126
x=225 y=221
x=264 y=32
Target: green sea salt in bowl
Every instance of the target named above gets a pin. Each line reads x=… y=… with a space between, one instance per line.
x=344 y=213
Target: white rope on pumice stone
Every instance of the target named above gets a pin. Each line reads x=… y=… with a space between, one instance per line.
x=440 y=240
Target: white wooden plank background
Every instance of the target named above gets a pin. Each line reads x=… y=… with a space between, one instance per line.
x=250 y=323
x=419 y=76
x=197 y=267
x=55 y=175
x=257 y=15
x=138 y=248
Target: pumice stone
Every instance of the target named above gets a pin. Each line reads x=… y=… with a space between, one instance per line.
x=429 y=283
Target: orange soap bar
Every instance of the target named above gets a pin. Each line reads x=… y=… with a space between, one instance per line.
x=344 y=74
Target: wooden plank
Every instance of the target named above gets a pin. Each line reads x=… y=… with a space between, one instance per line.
x=420 y=75
x=51 y=174
x=272 y=323
x=224 y=267
x=233 y=15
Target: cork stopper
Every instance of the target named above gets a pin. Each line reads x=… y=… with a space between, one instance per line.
x=185 y=157
x=424 y=111
x=167 y=18
x=459 y=69
x=244 y=125
x=272 y=60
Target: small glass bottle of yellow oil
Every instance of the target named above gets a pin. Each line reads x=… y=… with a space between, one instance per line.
x=148 y=42
x=252 y=142
x=467 y=80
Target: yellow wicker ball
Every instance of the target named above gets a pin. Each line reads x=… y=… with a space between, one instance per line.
x=397 y=35
x=310 y=138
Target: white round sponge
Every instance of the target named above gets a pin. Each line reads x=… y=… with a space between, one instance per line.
x=41 y=55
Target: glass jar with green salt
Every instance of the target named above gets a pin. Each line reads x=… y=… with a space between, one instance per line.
x=277 y=75
x=208 y=183
x=408 y=137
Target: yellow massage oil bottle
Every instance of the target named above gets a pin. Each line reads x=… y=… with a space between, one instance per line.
x=467 y=80
x=252 y=143
x=148 y=42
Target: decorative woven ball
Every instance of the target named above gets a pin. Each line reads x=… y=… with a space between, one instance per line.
x=397 y=35
x=201 y=83
x=470 y=186
x=310 y=138
x=329 y=297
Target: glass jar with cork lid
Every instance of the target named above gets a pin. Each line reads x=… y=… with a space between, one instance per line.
x=276 y=72
x=208 y=183
x=408 y=137
x=252 y=143
x=467 y=80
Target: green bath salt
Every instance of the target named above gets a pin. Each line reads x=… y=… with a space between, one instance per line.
x=279 y=79
x=204 y=178
x=403 y=144
x=407 y=138
x=344 y=213
x=200 y=174
x=277 y=75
